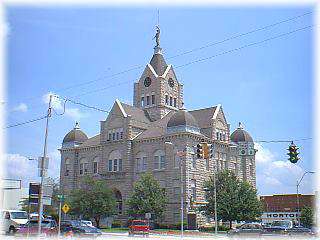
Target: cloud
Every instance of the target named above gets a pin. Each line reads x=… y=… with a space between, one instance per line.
x=58 y=105
x=276 y=176
x=22 y=107
x=19 y=167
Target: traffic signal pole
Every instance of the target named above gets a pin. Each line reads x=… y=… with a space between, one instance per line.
x=42 y=167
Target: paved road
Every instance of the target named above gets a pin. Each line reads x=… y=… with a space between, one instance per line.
x=117 y=236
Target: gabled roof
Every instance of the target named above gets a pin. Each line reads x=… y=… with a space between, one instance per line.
x=158 y=128
x=93 y=141
x=136 y=113
x=204 y=116
x=158 y=63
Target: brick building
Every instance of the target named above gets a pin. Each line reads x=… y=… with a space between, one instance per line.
x=134 y=139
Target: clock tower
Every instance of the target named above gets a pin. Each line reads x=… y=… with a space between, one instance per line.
x=158 y=90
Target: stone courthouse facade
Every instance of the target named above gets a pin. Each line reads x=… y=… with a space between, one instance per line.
x=146 y=137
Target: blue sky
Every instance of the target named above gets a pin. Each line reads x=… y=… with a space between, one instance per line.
x=268 y=87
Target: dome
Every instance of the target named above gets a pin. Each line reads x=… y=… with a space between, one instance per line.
x=75 y=135
x=240 y=135
x=182 y=118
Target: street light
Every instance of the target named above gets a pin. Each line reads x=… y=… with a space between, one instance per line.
x=298 y=184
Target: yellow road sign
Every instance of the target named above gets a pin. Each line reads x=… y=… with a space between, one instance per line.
x=65 y=208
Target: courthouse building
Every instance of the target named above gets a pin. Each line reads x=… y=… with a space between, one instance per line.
x=146 y=136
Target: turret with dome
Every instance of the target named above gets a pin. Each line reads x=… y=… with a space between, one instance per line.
x=75 y=137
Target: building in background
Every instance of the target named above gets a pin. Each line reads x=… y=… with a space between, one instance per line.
x=285 y=206
x=12 y=193
x=132 y=140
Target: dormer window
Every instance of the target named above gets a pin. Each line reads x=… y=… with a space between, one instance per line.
x=148 y=100
x=170 y=101
x=167 y=100
x=175 y=102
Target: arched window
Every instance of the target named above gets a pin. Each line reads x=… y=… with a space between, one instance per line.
x=95 y=165
x=159 y=160
x=84 y=166
x=115 y=161
x=141 y=162
x=67 y=167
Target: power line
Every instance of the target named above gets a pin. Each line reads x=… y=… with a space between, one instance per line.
x=207 y=58
x=245 y=46
x=239 y=35
x=26 y=122
x=283 y=141
x=183 y=53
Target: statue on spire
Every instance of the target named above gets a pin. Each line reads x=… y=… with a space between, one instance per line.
x=157 y=36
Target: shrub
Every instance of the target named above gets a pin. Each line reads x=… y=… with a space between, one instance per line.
x=116 y=224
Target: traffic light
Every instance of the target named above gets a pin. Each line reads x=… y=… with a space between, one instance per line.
x=211 y=151
x=293 y=153
x=199 y=151
x=205 y=148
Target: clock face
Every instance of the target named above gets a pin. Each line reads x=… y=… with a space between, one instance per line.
x=147 y=82
x=171 y=82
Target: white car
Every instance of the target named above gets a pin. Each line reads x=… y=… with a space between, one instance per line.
x=87 y=223
x=12 y=220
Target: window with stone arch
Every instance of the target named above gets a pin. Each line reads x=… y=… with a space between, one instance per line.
x=95 y=165
x=177 y=159
x=159 y=160
x=83 y=166
x=67 y=167
x=141 y=162
x=115 y=161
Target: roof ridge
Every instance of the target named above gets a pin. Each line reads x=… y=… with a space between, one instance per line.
x=203 y=108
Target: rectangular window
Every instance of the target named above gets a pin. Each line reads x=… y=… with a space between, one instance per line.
x=142 y=101
x=113 y=136
x=176 y=192
x=121 y=135
x=170 y=101
x=167 y=100
x=177 y=161
x=115 y=165
x=194 y=162
x=95 y=167
x=81 y=169
x=110 y=166
x=217 y=136
x=110 y=136
x=144 y=164
x=86 y=168
x=162 y=162
x=193 y=190
x=207 y=164
x=67 y=169
x=120 y=165
x=138 y=164
x=117 y=135
x=175 y=102
x=148 y=100
x=156 y=162
x=153 y=99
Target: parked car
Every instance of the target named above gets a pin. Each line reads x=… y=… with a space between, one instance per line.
x=139 y=227
x=87 y=223
x=48 y=228
x=248 y=229
x=79 y=229
x=12 y=220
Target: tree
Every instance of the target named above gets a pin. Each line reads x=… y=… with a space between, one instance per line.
x=236 y=200
x=307 y=216
x=147 y=197
x=92 y=200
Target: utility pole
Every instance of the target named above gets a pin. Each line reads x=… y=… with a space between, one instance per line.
x=215 y=203
x=42 y=168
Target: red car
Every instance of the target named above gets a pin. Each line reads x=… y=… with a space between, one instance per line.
x=139 y=227
x=48 y=228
